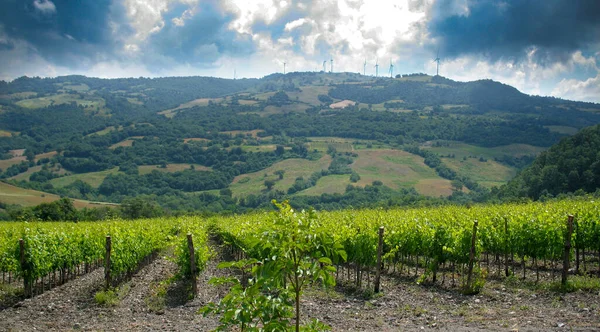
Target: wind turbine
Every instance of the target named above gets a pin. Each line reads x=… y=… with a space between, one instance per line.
x=284 y=68
x=376 y=67
x=331 y=69
x=391 y=69
x=325 y=66
x=365 y=68
x=234 y=76
x=437 y=59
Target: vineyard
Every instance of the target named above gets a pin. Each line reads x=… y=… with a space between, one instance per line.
x=46 y=254
x=528 y=237
x=450 y=247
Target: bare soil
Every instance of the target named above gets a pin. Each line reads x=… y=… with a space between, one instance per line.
x=403 y=305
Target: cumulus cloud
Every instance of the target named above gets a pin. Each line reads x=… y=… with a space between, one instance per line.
x=587 y=90
x=512 y=29
x=541 y=47
x=46 y=7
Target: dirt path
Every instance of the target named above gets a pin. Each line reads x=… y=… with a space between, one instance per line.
x=72 y=306
x=403 y=306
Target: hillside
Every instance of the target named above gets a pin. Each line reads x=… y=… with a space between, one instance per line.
x=569 y=166
x=327 y=139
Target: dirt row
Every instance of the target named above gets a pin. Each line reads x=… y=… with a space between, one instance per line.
x=155 y=301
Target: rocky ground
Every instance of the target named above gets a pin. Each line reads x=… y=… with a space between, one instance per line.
x=154 y=301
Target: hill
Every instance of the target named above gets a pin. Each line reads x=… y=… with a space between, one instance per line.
x=326 y=139
x=571 y=165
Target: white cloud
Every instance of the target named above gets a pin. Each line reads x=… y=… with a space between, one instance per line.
x=46 y=7
x=588 y=90
x=294 y=24
x=146 y=16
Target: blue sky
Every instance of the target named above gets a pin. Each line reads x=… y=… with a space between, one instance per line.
x=546 y=47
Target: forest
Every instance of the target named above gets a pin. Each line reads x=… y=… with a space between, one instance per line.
x=186 y=145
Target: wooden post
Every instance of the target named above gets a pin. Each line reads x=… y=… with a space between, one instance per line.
x=107 y=262
x=379 y=251
x=23 y=267
x=506 y=246
x=192 y=264
x=576 y=227
x=472 y=256
x=566 y=257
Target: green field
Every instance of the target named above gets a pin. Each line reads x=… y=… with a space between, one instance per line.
x=25 y=175
x=563 y=129
x=104 y=131
x=488 y=173
x=89 y=101
x=309 y=94
x=75 y=87
x=330 y=184
x=399 y=169
x=6 y=133
x=10 y=194
x=293 y=168
x=94 y=179
x=171 y=168
x=6 y=163
x=461 y=150
x=197 y=102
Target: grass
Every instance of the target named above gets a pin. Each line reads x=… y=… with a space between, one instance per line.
x=64 y=98
x=45 y=155
x=104 y=131
x=398 y=169
x=94 y=179
x=251 y=133
x=309 y=94
x=197 y=102
x=10 y=194
x=330 y=184
x=19 y=95
x=25 y=175
x=489 y=172
x=460 y=150
x=291 y=108
x=259 y=148
x=195 y=139
x=6 y=163
x=76 y=87
x=423 y=78
x=562 y=129
x=124 y=143
x=253 y=183
x=171 y=168
x=112 y=297
x=5 y=133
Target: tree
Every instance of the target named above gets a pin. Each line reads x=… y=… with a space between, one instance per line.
x=135 y=208
x=269 y=184
x=457 y=185
x=293 y=253
x=280 y=173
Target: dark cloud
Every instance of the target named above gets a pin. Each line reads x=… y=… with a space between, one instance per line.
x=203 y=38
x=64 y=32
x=507 y=29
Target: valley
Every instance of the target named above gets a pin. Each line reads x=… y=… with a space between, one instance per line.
x=215 y=145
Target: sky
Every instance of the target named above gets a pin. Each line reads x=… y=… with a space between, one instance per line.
x=541 y=47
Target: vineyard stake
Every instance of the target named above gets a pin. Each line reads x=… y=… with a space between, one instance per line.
x=567 y=250
x=472 y=255
x=107 y=262
x=23 y=267
x=379 y=250
x=506 y=246
x=192 y=264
